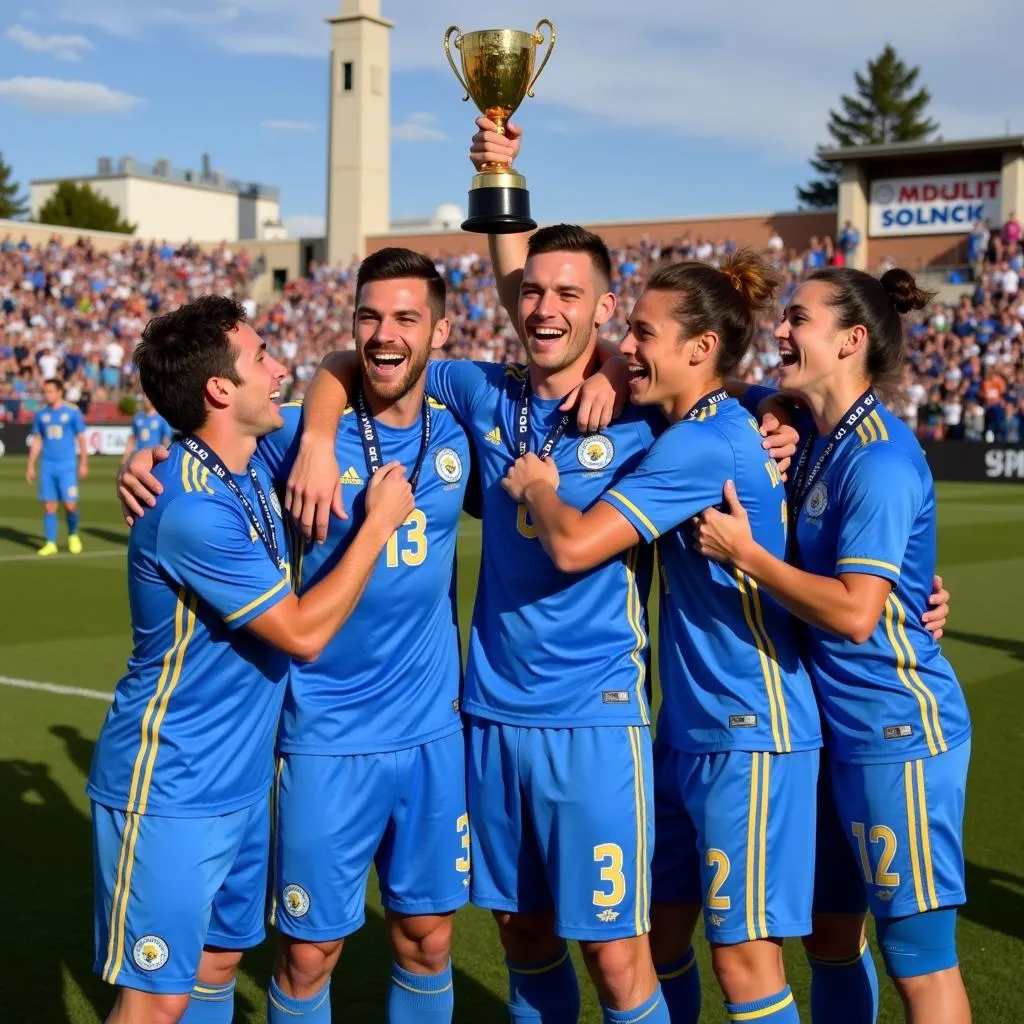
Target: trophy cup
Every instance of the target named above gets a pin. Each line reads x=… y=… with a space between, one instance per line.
x=497 y=71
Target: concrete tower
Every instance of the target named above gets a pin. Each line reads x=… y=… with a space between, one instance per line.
x=358 y=171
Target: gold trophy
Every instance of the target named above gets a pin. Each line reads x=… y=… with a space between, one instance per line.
x=497 y=71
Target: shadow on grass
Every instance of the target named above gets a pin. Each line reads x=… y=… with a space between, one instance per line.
x=110 y=536
x=995 y=643
x=22 y=539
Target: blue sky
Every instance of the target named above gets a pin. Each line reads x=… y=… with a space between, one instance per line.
x=656 y=109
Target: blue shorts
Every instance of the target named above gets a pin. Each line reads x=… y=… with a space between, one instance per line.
x=735 y=830
x=58 y=482
x=903 y=824
x=560 y=819
x=166 y=887
x=404 y=811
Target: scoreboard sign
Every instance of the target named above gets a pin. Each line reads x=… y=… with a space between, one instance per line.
x=933 y=205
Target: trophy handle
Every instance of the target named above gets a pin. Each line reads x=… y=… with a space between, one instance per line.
x=448 y=54
x=539 y=38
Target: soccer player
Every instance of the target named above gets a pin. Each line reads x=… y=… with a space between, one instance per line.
x=58 y=429
x=863 y=511
x=182 y=772
x=736 y=754
x=149 y=429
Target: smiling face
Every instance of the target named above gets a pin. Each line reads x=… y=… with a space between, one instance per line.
x=395 y=332
x=254 y=400
x=809 y=339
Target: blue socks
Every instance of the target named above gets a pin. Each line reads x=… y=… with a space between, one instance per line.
x=653 y=1011
x=777 y=1009
x=210 y=1004
x=680 y=985
x=419 y=997
x=50 y=527
x=72 y=522
x=282 y=1009
x=844 y=991
x=544 y=993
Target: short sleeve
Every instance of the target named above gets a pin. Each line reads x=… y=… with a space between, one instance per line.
x=78 y=420
x=881 y=494
x=37 y=426
x=277 y=450
x=755 y=395
x=682 y=475
x=459 y=384
x=205 y=544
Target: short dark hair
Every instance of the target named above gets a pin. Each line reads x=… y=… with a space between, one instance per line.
x=391 y=263
x=878 y=304
x=573 y=238
x=181 y=350
x=56 y=382
x=724 y=301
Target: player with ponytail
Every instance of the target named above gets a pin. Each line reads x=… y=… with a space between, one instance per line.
x=862 y=559
x=736 y=752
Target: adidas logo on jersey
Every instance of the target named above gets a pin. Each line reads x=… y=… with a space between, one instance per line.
x=350 y=476
x=494 y=436
x=608 y=916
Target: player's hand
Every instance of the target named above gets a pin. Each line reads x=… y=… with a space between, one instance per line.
x=314 y=488
x=600 y=398
x=724 y=536
x=83 y=468
x=780 y=441
x=529 y=469
x=137 y=488
x=935 y=618
x=389 y=498
x=491 y=147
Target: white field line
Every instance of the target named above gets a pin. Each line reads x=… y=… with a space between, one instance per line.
x=66 y=691
x=62 y=558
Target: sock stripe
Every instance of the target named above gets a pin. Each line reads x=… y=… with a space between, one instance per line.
x=648 y=1011
x=544 y=968
x=669 y=971
x=420 y=991
x=283 y=1009
x=842 y=961
x=765 y=1011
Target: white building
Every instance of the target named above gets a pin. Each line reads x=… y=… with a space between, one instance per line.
x=167 y=203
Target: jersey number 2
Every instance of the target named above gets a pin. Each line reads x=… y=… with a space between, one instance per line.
x=412 y=547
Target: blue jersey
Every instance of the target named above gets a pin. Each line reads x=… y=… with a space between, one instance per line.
x=149 y=430
x=872 y=510
x=59 y=428
x=546 y=648
x=730 y=668
x=390 y=677
x=191 y=730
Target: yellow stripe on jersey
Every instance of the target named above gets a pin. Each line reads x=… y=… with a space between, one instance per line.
x=933 y=704
x=766 y=669
x=516 y=370
x=869 y=561
x=206 y=481
x=773 y=661
x=762 y=842
x=634 y=616
x=876 y=422
x=632 y=508
x=275 y=828
x=186 y=482
x=901 y=666
x=862 y=434
x=751 y=847
x=434 y=403
x=765 y=1011
x=119 y=903
x=915 y=864
x=870 y=428
x=190 y=626
x=265 y=596
x=926 y=840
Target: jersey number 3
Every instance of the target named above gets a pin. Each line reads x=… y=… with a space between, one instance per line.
x=408 y=542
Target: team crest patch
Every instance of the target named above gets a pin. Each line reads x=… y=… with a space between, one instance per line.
x=817 y=500
x=448 y=465
x=595 y=452
x=150 y=952
x=275 y=503
x=295 y=900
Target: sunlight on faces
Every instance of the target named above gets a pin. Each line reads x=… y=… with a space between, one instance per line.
x=562 y=302
x=662 y=364
x=253 y=402
x=812 y=350
x=52 y=395
x=395 y=333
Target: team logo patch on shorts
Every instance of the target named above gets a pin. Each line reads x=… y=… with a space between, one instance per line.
x=595 y=452
x=150 y=952
x=817 y=500
x=275 y=502
x=448 y=465
x=295 y=900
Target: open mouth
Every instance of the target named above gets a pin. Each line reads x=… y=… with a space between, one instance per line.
x=787 y=357
x=637 y=373
x=385 y=364
x=547 y=335
x=275 y=395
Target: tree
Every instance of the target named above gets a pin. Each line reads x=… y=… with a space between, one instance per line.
x=887 y=107
x=11 y=204
x=79 y=206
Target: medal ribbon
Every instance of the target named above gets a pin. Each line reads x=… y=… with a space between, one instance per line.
x=523 y=427
x=371 y=440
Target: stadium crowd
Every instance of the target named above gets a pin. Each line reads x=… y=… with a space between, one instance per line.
x=77 y=313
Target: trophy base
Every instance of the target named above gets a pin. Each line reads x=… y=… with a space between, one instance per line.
x=499 y=211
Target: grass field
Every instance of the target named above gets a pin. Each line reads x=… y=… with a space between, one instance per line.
x=64 y=620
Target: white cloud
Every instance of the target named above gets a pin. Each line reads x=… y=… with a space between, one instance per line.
x=305 y=225
x=60 y=96
x=417 y=127
x=61 y=47
x=276 y=124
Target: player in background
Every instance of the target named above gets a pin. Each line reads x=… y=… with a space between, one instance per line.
x=862 y=505
x=149 y=429
x=738 y=737
x=181 y=776
x=58 y=435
